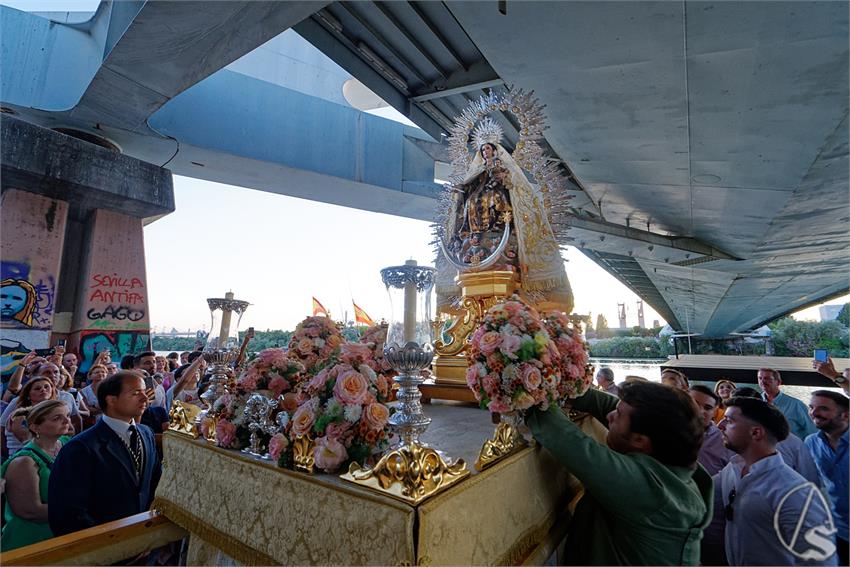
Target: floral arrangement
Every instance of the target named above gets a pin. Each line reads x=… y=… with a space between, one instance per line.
x=273 y=370
x=374 y=337
x=513 y=363
x=344 y=413
x=573 y=359
x=231 y=430
x=314 y=342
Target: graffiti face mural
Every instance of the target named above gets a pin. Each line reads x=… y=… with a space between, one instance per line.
x=17 y=301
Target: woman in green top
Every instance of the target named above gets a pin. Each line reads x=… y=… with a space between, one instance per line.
x=27 y=473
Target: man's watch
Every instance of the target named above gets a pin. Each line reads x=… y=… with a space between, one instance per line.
x=840 y=379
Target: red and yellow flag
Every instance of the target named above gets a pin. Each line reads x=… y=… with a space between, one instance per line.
x=319 y=308
x=361 y=317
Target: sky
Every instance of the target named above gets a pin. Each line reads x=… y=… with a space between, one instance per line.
x=277 y=252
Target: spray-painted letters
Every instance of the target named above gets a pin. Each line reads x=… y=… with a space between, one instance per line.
x=116 y=289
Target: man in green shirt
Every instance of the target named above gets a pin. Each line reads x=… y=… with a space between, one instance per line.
x=646 y=499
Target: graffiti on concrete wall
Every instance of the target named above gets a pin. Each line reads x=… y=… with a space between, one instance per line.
x=116 y=302
x=118 y=343
x=25 y=302
x=14 y=345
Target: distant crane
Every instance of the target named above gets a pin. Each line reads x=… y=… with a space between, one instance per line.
x=621 y=310
x=641 y=322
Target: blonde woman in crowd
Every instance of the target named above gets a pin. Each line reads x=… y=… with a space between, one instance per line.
x=38 y=389
x=27 y=474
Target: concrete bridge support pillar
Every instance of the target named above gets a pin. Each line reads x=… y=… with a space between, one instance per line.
x=72 y=227
x=32 y=235
x=111 y=310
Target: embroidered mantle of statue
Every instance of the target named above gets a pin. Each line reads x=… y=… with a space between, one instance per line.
x=498 y=221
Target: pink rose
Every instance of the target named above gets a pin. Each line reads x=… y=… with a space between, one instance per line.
x=277 y=445
x=476 y=336
x=337 y=429
x=354 y=353
x=329 y=454
x=490 y=342
x=303 y=420
x=513 y=307
x=510 y=344
x=225 y=433
x=278 y=385
x=375 y=416
x=498 y=405
x=530 y=376
x=351 y=388
x=317 y=383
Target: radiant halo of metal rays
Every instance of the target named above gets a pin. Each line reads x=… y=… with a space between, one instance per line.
x=474 y=121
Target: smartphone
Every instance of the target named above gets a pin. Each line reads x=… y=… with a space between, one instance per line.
x=61 y=343
x=821 y=355
x=148 y=380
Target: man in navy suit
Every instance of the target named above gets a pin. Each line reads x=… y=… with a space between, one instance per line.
x=111 y=470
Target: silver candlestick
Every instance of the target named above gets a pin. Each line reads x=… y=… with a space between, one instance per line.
x=420 y=470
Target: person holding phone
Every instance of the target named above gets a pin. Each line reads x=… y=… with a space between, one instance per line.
x=824 y=366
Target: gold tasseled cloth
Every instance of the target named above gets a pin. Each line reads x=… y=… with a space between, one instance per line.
x=243 y=510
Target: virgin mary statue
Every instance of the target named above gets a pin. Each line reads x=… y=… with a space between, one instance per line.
x=498 y=220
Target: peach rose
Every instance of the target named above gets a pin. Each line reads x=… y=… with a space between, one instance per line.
x=375 y=415
x=351 y=388
x=334 y=341
x=303 y=420
x=329 y=454
x=530 y=377
x=524 y=401
x=304 y=346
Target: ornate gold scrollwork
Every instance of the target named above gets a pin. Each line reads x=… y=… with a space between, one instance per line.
x=302 y=454
x=470 y=314
x=506 y=439
x=181 y=418
x=411 y=473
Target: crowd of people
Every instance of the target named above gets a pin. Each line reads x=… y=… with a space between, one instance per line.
x=713 y=475
x=81 y=449
x=687 y=474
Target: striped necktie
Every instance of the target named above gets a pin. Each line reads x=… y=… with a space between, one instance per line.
x=136 y=450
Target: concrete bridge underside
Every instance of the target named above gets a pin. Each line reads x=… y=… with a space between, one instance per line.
x=707 y=143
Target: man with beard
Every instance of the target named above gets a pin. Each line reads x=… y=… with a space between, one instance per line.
x=829 y=411
x=646 y=500
x=773 y=515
